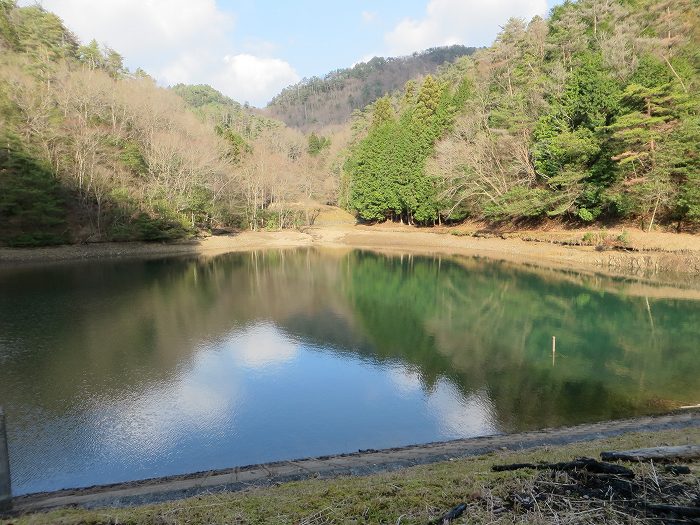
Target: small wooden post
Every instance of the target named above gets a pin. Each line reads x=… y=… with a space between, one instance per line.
x=554 y=349
x=5 y=487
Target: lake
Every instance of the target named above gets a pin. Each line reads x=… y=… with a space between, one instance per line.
x=119 y=370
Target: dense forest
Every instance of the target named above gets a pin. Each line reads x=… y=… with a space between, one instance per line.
x=590 y=115
x=317 y=102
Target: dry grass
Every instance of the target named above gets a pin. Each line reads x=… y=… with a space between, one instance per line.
x=421 y=495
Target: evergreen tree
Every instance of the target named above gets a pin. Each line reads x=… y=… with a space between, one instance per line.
x=8 y=33
x=32 y=208
x=114 y=63
x=383 y=112
x=91 y=55
x=646 y=138
x=316 y=144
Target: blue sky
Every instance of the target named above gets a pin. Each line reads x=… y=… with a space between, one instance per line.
x=319 y=36
x=250 y=49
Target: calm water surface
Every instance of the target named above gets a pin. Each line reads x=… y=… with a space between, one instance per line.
x=112 y=371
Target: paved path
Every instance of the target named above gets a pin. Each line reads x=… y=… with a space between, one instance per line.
x=358 y=464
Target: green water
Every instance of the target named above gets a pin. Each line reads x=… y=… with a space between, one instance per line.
x=124 y=370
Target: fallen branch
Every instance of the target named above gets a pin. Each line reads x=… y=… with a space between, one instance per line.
x=451 y=515
x=585 y=464
x=688 y=512
x=677 y=469
x=683 y=452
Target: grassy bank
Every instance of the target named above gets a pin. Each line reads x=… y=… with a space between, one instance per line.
x=415 y=495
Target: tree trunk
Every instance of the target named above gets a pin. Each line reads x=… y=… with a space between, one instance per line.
x=653 y=215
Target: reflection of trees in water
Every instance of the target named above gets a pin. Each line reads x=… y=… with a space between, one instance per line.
x=488 y=325
x=124 y=325
x=118 y=327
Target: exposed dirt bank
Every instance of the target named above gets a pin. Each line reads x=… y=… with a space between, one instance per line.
x=643 y=260
x=362 y=463
x=667 y=257
x=209 y=245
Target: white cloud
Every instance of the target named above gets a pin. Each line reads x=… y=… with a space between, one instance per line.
x=254 y=79
x=406 y=380
x=155 y=420
x=146 y=29
x=179 y=41
x=457 y=415
x=460 y=416
x=261 y=346
x=469 y=22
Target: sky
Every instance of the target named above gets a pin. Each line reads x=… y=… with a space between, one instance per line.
x=251 y=49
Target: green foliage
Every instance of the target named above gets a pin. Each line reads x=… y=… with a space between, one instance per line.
x=131 y=156
x=586 y=215
x=560 y=150
x=114 y=63
x=202 y=95
x=568 y=153
x=657 y=142
x=383 y=111
x=682 y=158
x=91 y=55
x=42 y=35
x=519 y=202
x=32 y=207
x=387 y=168
x=224 y=113
x=146 y=227
x=127 y=221
x=591 y=97
x=373 y=191
x=576 y=117
x=317 y=143
x=8 y=33
x=238 y=147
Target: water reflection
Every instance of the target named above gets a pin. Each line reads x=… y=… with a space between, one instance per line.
x=261 y=347
x=117 y=371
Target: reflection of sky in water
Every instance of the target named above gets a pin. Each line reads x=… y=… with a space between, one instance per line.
x=254 y=395
x=134 y=369
x=456 y=415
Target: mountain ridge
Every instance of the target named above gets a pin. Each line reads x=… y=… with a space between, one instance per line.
x=317 y=102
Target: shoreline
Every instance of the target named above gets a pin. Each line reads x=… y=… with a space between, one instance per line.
x=361 y=463
x=672 y=259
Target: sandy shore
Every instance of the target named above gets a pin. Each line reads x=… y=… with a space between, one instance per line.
x=666 y=257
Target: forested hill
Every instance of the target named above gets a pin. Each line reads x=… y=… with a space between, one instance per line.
x=90 y=151
x=590 y=115
x=316 y=102
x=220 y=110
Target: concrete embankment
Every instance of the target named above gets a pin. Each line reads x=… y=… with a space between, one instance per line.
x=360 y=463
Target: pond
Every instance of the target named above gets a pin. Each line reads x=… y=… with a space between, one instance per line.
x=119 y=370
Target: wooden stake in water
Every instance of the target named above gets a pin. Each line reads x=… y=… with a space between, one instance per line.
x=5 y=487
x=554 y=349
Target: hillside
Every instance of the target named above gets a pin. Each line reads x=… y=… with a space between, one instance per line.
x=317 y=102
x=590 y=115
x=220 y=110
x=90 y=151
